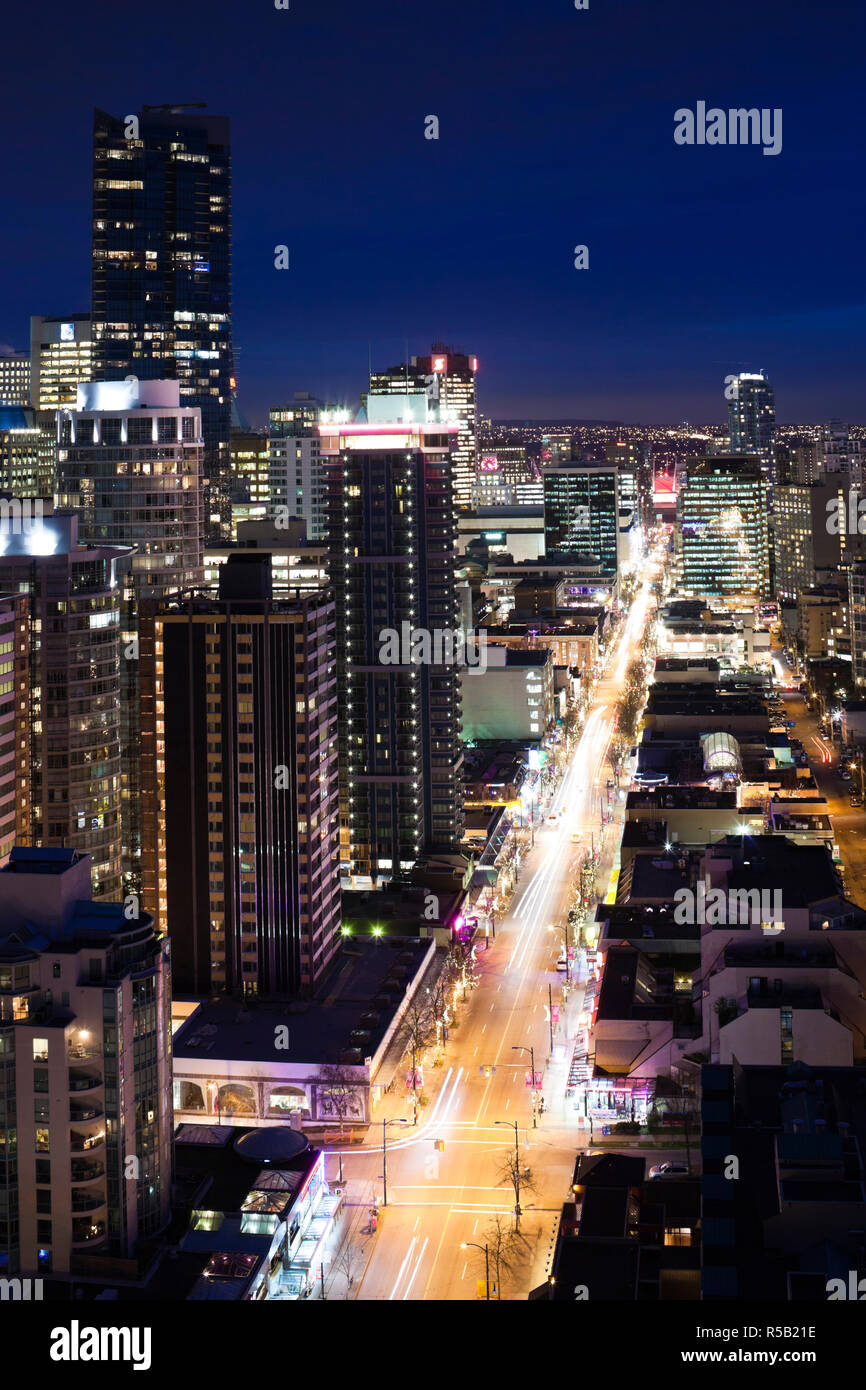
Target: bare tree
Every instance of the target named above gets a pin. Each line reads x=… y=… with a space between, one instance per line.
x=340 y=1085
x=507 y=1251
x=420 y=1027
x=513 y=1174
x=348 y=1263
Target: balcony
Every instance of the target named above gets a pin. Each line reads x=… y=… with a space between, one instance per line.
x=82 y=1171
x=85 y=1230
x=87 y=1201
x=86 y=1143
x=81 y=1113
x=82 y=1051
x=84 y=1081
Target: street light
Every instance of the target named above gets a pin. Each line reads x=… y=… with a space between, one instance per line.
x=531 y=1051
x=465 y=1246
x=385 y=1124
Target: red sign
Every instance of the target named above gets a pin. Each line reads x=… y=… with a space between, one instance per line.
x=440 y=364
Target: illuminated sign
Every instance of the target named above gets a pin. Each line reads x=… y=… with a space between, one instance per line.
x=67 y=332
x=474 y=363
x=440 y=364
x=490 y=464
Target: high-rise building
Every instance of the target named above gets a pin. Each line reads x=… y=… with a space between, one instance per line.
x=161 y=269
x=240 y=842
x=581 y=511
x=634 y=470
x=501 y=468
x=251 y=489
x=722 y=511
x=61 y=350
x=392 y=540
x=752 y=419
x=14 y=378
x=295 y=470
x=73 y=643
x=85 y=1041
x=130 y=463
x=448 y=380
x=28 y=453
x=803 y=541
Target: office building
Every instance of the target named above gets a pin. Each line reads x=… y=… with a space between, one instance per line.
x=251 y=489
x=722 y=511
x=73 y=627
x=392 y=540
x=14 y=378
x=501 y=468
x=752 y=419
x=240 y=783
x=448 y=379
x=803 y=542
x=85 y=1037
x=28 y=453
x=581 y=511
x=61 y=353
x=161 y=269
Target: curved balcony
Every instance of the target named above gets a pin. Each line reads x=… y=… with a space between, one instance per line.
x=80 y=1143
x=87 y=1201
x=84 y=1080
x=80 y=1112
x=86 y=1231
x=84 y=1171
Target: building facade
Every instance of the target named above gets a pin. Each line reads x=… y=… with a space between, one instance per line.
x=161 y=269
x=74 y=716
x=392 y=542
x=240 y=783
x=752 y=419
x=61 y=357
x=722 y=512
x=85 y=1042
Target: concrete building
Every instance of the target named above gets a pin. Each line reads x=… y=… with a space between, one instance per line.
x=28 y=453
x=240 y=783
x=85 y=1033
x=61 y=357
x=14 y=378
x=512 y=699
x=73 y=726
x=392 y=531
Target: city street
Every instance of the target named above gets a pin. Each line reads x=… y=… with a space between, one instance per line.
x=439 y=1199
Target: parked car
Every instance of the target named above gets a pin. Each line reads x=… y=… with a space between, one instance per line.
x=856 y=801
x=669 y=1170
x=846 y=775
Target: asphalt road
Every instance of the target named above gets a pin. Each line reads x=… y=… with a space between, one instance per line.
x=439 y=1200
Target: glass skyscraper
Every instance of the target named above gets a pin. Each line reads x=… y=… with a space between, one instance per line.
x=752 y=419
x=161 y=269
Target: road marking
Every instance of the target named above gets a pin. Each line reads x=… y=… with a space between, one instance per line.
x=415 y=1270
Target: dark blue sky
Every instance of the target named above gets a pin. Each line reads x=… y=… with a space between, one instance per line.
x=556 y=128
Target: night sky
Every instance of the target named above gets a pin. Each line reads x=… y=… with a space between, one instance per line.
x=556 y=128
